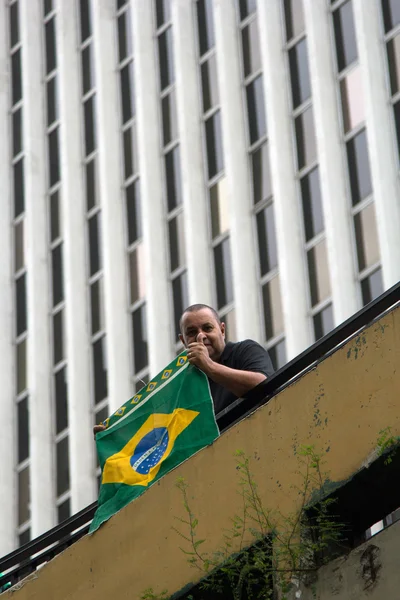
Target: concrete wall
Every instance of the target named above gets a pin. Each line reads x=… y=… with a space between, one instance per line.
x=340 y=406
x=369 y=572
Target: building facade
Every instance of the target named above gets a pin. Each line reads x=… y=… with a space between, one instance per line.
x=158 y=153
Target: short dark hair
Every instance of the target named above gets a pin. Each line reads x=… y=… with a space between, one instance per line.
x=195 y=308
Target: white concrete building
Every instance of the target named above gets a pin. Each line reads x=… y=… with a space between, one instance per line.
x=158 y=153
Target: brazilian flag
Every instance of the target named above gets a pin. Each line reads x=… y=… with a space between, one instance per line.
x=170 y=419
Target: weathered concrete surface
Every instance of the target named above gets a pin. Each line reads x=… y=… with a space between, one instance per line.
x=340 y=406
x=371 y=572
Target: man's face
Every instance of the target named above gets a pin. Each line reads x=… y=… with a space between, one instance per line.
x=213 y=333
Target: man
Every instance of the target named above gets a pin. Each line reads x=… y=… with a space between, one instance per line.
x=233 y=369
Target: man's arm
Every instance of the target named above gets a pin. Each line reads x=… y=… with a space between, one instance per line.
x=237 y=381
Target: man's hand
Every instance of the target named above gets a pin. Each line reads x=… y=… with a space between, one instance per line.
x=198 y=354
x=97 y=429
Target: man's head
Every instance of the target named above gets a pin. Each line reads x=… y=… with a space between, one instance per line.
x=204 y=320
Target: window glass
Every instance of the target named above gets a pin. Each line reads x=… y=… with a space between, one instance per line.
x=169 y=118
x=52 y=101
x=47 y=6
x=173 y=176
x=352 y=100
x=60 y=385
x=251 y=48
x=215 y=155
x=163 y=12
x=23 y=430
x=391 y=13
x=57 y=274
x=165 y=55
x=64 y=511
x=16 y=76
x=62 y=457
x=134 y=212
x=130 y=151
x=19 y=259
x=88 y=70
x=19 y=188
x=25 y=537
x=137 y=277
x=20 y=290
x=139 y=330
x=94 y=244
x=90 y=132
x=262 y=185
x=223 y=273
x=273 y=316
x=372 y=286
x=17 y=131
x=54 y=157
x=366 y=237
x=176 y=242
x=393 y=53
x=323 y=322
x=124 y=34
x=205 y=25
x=256 y=109
x=294 y=18
x=320 y=286
x=219 y=205
x=312 y=204
x=127 y=93
x=180 y=298
x=50 y=36
x=21 y=366
x=230 y=325
x=55 y=230
x=267 y=239
x=92 y=184
x=58 y=337
x=97 y=305
x=246 y=7
x=23 y=496
x=85 y=18
x=305 y=137
x=359 y=170
x=299 y=73
x=345 y=36
x=14 y=24
x=100 y=370
x=278 y=354
x=209 y=81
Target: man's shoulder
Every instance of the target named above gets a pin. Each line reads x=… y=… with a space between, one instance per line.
x=248 y=355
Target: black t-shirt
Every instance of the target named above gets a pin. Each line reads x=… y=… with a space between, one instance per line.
x=244 y=356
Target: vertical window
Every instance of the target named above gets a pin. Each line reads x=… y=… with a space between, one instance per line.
x=133 y=208
x=94 y=244
x=366 y=237
x=256 y=110
x=251 y=48
x=51 y=55
x=205 y=24
x=62 y=457
x=60 y=385
x=139 y=339
x=90 y=130
x=16 y=76
x=58 y=337
x=165 y=55
x=180 y=298
x=176 y=242
x=267 y=239
x=312 y=204
x=88 y=71
x=345 y=37
x=52 y=101
x=21 y=304
x=100 y=370
x=262 y=185
x=305 y=137
x=92 y=184
x=173 y=176
x=19 y=259
x=294 y=18
x=323 y=322
x=163 y=12
x=209 y=82
x=246 y=7
x=137 y=274
x=352 y=100
x=273 y=316
x=169 y=118
x=318 y=271
x=86 y=25
x=14 y=24
x=130 y=151
x=23 y=496
x=127 y=92
x=391 y=14
x=21 y=366
x=97 y=306
x=19 y=188
x=54 y=159
x=23 y=429
x=17 y=131
x=55 y=230
x=57 y=275
x=214 y=145
x=223 y=273
x=299 y=73
x=124 y=35
x=372 y=286
x=359 y=170
x=219 y=205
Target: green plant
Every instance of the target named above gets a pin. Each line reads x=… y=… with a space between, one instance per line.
x=387 y=444
x=264 y=550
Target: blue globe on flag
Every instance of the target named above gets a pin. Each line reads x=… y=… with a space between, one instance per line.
x=150 y=450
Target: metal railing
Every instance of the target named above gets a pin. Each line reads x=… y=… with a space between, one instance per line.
x=31 y=556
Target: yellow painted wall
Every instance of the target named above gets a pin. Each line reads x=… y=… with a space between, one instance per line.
x=340 y=406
